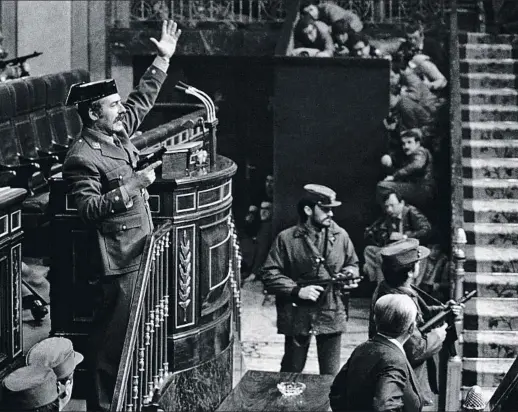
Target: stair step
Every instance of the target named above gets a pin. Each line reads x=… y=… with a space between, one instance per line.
x=488 y=66
x=490 y=130
x=486 y=51
x=487 y=80
x=490 y=148
x=489 y=112
x=492 y=314
x=502 y=96
x=487 y=372
x=492 y=234
x=492 y=285
x=490 y=168
x=491 y=211
x=490 y=188
x=487 y=38
x=491 y=307
x=490 y=344
x=491 y=259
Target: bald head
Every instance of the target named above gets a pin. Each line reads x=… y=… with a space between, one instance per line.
x=395 y=315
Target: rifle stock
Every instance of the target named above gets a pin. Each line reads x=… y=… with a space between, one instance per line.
x=444 y=315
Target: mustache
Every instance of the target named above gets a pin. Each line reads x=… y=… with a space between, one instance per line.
x=118 y=119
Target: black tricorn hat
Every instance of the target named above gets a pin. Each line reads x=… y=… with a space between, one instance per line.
x=89 y=92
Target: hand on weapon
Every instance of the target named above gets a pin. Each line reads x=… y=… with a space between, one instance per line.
x=456 y=308
x=347 y=280
x=310 y=292
x=441 y=331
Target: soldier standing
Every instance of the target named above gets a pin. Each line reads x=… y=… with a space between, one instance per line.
x=300 y=269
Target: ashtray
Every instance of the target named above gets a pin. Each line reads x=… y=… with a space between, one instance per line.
x=291 y=388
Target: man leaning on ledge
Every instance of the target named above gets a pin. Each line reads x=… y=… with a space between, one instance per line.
x=112 y=199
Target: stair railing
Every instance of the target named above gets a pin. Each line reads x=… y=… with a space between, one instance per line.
x=144 y=365
x=452 y=386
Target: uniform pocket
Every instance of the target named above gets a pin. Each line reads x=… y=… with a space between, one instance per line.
x=123 y=241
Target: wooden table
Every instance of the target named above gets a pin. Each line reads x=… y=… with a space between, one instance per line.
x=257 y=391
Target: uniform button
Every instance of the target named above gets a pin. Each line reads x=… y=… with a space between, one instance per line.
x=117 y=198
x=120 y=177
x=80 y=140
x=124 y=227
x=153 y=71
x=113 y=211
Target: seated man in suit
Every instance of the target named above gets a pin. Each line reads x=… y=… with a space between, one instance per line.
x=399 y=221
x=377 y=376
x=414 y=178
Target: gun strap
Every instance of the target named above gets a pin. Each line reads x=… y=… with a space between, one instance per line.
x=425 y=296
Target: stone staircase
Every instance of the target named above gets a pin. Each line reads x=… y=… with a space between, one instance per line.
x=490 y=175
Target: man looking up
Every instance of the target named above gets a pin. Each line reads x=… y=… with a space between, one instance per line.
x=111 y=197
x=316 y=249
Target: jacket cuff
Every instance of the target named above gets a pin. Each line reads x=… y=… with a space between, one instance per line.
x=295 y=292
x=161 y=63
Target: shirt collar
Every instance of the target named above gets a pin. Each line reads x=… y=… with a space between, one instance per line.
x=395 y=342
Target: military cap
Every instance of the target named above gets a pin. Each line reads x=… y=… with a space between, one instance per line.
x=474 y=399
x=404 y=252
x=321 y=195
x=56 y=353
x=30 y=387
x=89 y=92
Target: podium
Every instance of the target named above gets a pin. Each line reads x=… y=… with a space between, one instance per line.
x=11 y=235
x=200 y=331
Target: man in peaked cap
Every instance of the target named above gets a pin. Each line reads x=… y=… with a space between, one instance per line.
x=57 y=353
x=31 y=388
x=300 y=266
x=111 y=197
x=400 y=264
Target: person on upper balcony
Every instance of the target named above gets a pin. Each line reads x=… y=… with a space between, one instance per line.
x=329 y=13
x=360 y=46
x=340 y=32
x=413 y=179
x=112 y=199
x=412 y=86
x=312 y=38
x=416 y=43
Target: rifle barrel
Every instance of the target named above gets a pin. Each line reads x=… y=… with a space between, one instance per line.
x=433 y=322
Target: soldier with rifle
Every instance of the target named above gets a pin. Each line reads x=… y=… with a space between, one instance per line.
x=14 y=68
x=400 y=264
x=307 y=269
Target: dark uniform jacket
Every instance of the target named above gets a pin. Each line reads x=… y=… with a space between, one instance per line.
x=97 y=170
x=294 y=257
x=412 y=223
x=377 y=377
x=419 y=348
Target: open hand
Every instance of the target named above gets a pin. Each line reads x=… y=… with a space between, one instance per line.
x=168 y=40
